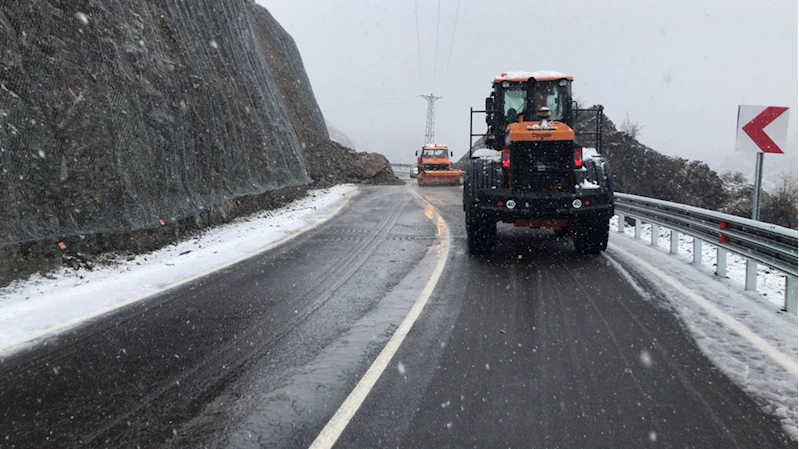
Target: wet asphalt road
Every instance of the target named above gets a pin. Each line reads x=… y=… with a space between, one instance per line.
x=534 y=346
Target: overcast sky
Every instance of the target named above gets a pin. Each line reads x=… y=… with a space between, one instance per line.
x=680 y=68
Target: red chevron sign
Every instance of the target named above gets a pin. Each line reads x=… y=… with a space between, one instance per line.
x=752 y=132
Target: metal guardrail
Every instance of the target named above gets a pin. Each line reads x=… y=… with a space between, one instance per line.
x=402 y=168
x=757 y=242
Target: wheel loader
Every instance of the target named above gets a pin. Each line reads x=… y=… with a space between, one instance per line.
x=435 y=166
x=529 y=170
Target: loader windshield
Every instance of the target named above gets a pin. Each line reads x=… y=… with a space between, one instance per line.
x=515 y=103
x=517 y=99
x=552 y=95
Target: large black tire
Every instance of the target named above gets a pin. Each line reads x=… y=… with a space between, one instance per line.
x=481 y=174
x=591 y=237
x=481 y=230
x=562 y=232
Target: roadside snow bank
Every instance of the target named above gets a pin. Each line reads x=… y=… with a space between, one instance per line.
x=770 y=282
x=42 y=306
x=743 y=333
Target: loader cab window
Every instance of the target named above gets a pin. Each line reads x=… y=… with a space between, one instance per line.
x=552 y=95
x=515 y=103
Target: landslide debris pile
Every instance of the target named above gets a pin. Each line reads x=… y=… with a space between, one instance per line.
x=134 y=114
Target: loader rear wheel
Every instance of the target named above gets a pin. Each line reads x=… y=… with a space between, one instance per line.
x=592 y=236
x=481 y=232
x=562 y=232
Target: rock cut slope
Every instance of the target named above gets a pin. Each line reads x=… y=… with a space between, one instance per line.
x=136 y=114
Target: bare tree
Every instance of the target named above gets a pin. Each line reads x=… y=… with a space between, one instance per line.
x=780 y=206
x=735 y=177
x=631 y=128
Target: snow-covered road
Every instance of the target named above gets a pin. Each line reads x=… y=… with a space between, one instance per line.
x=743 y=333
x=43 y=306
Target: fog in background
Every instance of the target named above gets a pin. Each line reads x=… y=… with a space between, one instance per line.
x=679 y=68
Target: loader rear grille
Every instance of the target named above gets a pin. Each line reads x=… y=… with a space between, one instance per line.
x=542 y=166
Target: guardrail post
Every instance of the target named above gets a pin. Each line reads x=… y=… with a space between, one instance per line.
x=757 y=243
x=721 y=262
x=751 y=275
x=697 y=251
x=790 y=294
x=675 y=242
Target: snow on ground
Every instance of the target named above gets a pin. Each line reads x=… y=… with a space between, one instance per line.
x=745 y=334
x=770 y=282
x=41 y=305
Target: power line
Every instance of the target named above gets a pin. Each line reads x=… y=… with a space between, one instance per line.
x=418 y=44
x=435 y=59
x=372 y=104
x=452 y=41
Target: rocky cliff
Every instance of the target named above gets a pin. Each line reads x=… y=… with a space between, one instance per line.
x=137 y=114
x=328 y=162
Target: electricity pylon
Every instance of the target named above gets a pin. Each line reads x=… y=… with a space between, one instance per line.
x=429 y=131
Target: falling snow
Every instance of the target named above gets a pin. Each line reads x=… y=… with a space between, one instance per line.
x=38 y=303
x=744 y=362
x=646 y=358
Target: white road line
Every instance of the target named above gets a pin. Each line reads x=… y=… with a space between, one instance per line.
x=334 y=428
x=74 y=322
x=757 y=341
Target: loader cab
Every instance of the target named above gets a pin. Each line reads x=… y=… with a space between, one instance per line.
x=515 y=98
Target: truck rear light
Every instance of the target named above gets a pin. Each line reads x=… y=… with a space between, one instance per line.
x=578 y=157
x=505 y=158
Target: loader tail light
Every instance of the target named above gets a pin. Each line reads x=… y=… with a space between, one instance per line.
x=578 y=157
x=505 y=158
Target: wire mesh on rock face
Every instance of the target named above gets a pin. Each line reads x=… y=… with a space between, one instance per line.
x=121 y=114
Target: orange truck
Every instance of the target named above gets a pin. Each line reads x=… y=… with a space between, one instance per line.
x=435 y=166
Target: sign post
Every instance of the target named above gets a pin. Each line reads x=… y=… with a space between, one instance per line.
x=758 y=186
x=761 y=129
